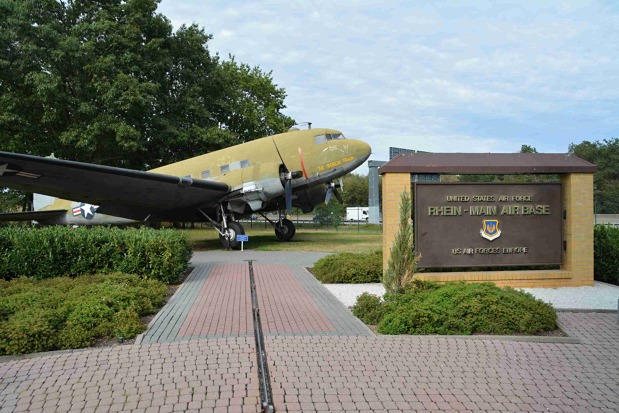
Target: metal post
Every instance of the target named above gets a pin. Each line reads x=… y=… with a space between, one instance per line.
x=373 y=195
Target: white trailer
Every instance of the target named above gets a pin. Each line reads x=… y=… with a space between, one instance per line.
x=357 y=214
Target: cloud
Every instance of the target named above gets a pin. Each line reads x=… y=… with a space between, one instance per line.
x=225 y=34
x=441 y=76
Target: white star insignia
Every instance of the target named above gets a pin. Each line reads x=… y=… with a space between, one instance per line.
x=5 y=168
x=89 y=210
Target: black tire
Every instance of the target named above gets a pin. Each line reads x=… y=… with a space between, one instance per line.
x=287 y=230
x=234 y=229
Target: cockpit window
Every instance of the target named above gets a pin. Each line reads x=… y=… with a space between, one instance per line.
x=335 y=136
x=318 y=139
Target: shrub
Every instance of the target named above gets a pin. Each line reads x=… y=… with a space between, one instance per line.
x=349 y=268
x=460 y=308
x=28 y=331
x=368 y=308
x=403 y=259
x=606 y=254
x=49 y=252
x=126 y=323
x=62 y=313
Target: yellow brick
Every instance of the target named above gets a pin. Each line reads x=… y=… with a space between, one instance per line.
x=577 y=267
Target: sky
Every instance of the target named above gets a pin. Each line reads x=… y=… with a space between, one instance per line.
x=439 y=76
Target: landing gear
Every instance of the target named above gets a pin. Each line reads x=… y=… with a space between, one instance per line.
x=285 y=231
x=284 y=228
x=227 y=228
x=228 y=238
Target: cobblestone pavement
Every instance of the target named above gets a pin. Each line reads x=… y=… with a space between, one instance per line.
x=330 y=373
x=316 y=364
x=424 y=373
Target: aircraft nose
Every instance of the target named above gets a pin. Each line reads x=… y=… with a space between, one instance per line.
x=362 y=150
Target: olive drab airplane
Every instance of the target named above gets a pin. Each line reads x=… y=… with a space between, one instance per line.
x=296 y=168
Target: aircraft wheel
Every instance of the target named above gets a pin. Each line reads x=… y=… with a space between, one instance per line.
x=234 y=229
x=286 y=231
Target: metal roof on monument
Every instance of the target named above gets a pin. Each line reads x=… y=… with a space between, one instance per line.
x=487 y=163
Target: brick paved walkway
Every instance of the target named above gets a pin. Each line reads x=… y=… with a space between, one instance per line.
x=403 y=373
x=215 y=300
x=330 y=373
x=320 y=370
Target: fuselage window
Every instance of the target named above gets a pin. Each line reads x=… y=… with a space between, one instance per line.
x=235 y=165
x=224 y=169
x=318 y=139
x=335 y=136
x=245 y=163
x=206 y=174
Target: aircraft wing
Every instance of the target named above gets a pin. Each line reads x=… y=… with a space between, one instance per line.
x=117 y=191
x=32 y=215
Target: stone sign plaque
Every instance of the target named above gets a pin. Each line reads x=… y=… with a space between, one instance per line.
x=486 y=225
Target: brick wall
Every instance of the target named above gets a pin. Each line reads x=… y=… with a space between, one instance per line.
x=393 y=186
x=577 y=268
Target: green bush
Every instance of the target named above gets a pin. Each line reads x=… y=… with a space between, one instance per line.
x=50 y=252
x=28 y=331
x=368 y=308
x=350 y=268
x=126 y=323
x=63 y=313
x=458 y=308
x=606 y=253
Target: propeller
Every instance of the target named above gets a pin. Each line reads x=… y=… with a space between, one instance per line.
x=287 y=178
x=288 y=188
x=332 y=190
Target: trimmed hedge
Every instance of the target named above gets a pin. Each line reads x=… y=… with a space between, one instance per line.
x=606 y=255
x=369 y=308
x=63 y=251
x=350 y=268
x=457 y=308
x=64 y=313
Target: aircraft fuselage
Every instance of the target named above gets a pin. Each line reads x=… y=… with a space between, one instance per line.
x=255 y=171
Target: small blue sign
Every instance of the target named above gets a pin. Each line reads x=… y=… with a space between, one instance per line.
x=242 y=238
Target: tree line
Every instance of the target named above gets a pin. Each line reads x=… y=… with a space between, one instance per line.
x=110 y=82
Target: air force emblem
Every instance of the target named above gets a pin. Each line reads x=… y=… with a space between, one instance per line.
x=87 y=211
x=490 y=229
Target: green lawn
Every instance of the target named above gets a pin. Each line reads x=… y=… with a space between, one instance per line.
x=346 y=239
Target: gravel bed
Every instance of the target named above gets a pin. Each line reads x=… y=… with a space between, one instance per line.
x=601 y=296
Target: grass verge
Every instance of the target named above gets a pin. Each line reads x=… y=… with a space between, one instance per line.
x=305 y=240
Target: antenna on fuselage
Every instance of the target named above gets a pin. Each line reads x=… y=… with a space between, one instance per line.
x=308 y=124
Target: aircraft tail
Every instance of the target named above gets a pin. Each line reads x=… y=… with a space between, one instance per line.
x=41 y=201
x=46 y=217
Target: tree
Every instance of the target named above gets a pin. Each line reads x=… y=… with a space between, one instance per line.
x=329 y=214
x=12 y=201
x=108 y=81
x=355 y=191
x=401 y=265
x=604 y=154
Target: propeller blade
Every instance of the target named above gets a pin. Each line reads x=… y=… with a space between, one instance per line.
x=329 y=194
x=342 y=184
x=338 y=196
x=288 y=189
